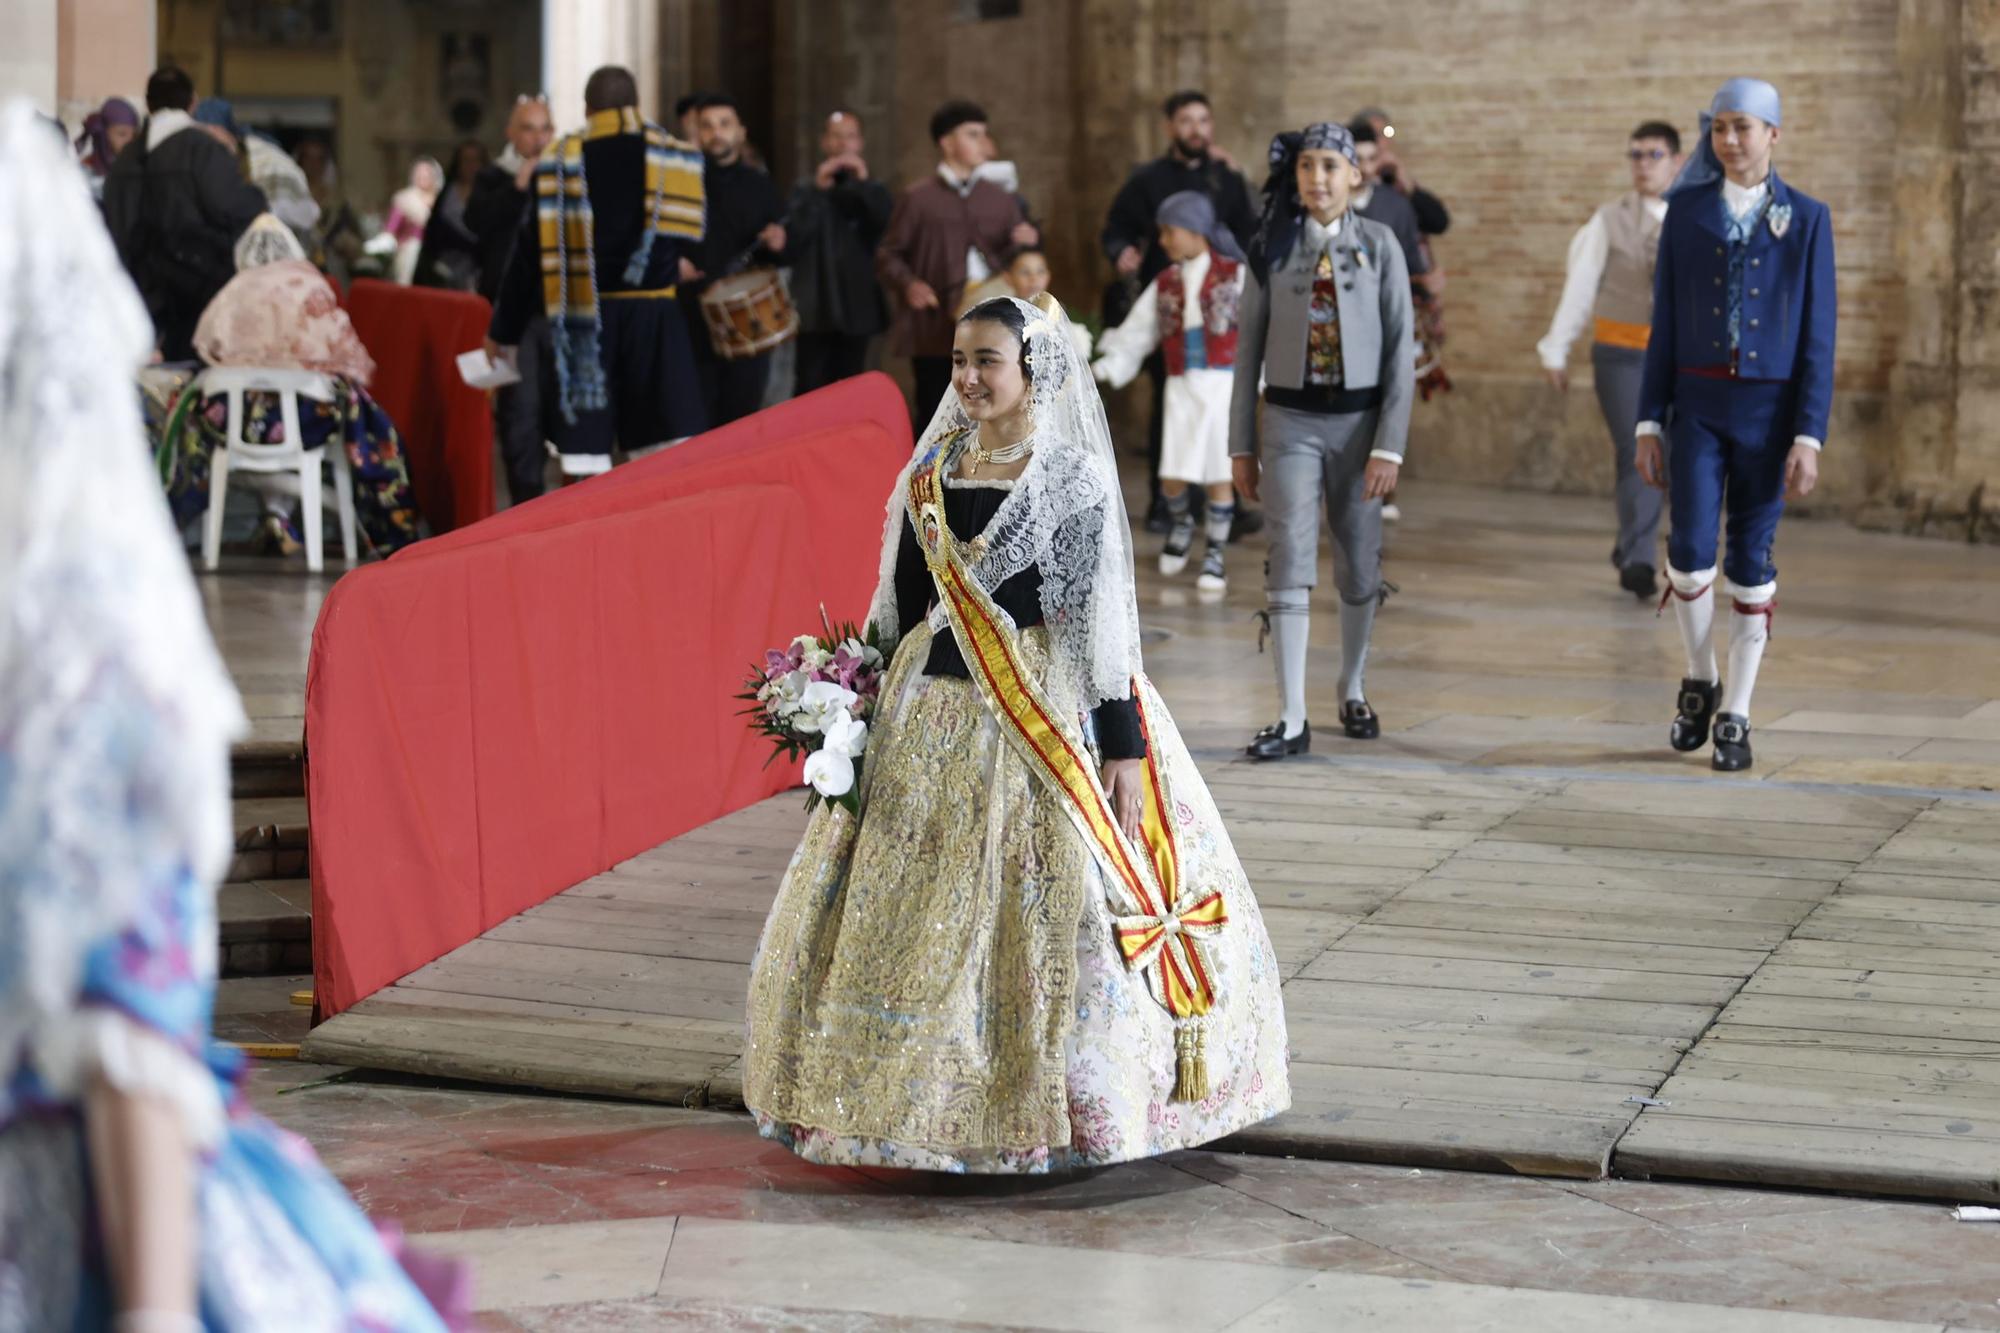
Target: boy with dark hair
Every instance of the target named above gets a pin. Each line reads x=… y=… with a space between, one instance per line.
x=1609 y=288
x=946 y=233
x=1740 y=368
x=1325 y=327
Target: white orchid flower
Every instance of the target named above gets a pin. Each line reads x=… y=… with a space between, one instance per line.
x=830 y=773
x=846 y=735
x=821 y=703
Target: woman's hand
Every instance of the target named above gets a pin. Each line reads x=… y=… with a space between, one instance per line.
x=1124 y=784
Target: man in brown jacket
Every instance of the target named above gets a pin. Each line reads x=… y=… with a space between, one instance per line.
x=947 y=232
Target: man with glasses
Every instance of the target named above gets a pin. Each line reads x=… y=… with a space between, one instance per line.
x=1609 y=289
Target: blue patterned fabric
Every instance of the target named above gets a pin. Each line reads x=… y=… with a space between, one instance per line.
x=1196 y=342
x=1740 y=230
x=282 y=1246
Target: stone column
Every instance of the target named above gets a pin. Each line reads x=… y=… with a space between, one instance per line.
x=28 y=64
x=578 y=36
x=104 y=48
x=1944 y=389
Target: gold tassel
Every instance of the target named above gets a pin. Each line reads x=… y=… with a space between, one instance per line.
x=1190 y=1065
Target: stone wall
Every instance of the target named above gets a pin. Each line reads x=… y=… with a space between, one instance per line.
x=1516 y=112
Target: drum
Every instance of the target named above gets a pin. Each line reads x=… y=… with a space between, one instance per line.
x=748 y=313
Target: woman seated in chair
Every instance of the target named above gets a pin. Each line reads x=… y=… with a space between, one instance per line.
x=279 y=312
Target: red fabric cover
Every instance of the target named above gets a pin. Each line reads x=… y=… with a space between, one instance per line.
x=496 y=715
x=415 y=335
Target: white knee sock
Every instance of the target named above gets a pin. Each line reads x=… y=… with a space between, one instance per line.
x=1749 y=631
x=1357 y=624
x=1694 y=610
x=1291 y=623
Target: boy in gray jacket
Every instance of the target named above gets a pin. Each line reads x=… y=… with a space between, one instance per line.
x=1326 y=330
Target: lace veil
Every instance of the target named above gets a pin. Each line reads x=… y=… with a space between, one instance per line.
x=115 y=710
x=1065 y=516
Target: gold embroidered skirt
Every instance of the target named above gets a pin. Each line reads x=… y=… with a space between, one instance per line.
x=937 y=985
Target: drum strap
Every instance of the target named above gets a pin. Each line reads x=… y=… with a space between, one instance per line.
x=657 y=293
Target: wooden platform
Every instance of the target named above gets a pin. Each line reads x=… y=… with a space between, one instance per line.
x=1483 y=971
x=1508 y=920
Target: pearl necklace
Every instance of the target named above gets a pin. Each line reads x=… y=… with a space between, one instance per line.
x=976 y=457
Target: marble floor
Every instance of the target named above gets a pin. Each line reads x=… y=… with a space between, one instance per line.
x=592 y=1215
x=1508 y=650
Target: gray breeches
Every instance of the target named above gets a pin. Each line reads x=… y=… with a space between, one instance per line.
x=1617 y=371
x=1309 y=458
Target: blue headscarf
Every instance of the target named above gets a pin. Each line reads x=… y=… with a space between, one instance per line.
x=1278 y=230
x=1195 y=211
x=218 y=112
x=1753 y=96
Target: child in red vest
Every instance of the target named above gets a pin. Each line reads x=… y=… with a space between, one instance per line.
x=1189 y=313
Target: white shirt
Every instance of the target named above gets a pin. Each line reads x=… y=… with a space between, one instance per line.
x=977 y=270
x=1121 y=351
x=1589 y=251
x=163 y=125
x=1739 y=200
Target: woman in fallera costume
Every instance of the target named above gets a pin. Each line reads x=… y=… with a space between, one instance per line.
x=1033 y=948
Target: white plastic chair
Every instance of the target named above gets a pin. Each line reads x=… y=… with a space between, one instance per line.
x=240 y=455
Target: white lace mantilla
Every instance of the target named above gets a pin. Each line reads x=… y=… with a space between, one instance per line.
x=1065 y=515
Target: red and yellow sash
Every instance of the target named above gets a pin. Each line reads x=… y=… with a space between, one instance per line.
x=1159 y=922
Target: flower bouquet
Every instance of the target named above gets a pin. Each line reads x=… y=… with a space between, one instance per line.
x=814 y=698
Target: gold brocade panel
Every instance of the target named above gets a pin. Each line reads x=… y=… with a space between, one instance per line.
x=917 y=977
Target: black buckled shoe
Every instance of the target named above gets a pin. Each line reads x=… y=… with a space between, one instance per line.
x=1358 y=720
x=1270 y=743
x=1697 y=707
x=1732 y=743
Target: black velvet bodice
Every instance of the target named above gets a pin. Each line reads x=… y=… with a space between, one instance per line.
x=967 y=510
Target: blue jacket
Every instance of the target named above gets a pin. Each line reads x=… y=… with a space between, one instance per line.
x=1787 y=324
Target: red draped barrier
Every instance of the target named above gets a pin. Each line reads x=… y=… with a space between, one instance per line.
x=496 y=715
x=415 y=335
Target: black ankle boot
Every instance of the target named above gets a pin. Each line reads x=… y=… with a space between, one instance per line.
x=1270 y=743
x=1732 y=743
x=1697 y=707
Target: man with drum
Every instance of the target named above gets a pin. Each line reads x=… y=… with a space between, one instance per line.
x=617 y=207
x=746 y=231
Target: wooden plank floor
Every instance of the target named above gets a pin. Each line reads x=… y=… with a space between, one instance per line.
x=1503 y=922
x=1481 y=971
x=1866 y=1052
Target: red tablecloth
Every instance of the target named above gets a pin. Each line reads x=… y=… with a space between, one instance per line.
x=496 y=715
x=415 y=335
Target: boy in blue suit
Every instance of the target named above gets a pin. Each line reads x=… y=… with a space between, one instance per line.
x=1740 y=369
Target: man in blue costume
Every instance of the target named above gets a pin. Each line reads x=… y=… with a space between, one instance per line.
x=1739 y=369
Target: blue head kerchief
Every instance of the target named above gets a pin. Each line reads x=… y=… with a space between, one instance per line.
x=1195 y=211
x=218 y=112
x=1754 y=96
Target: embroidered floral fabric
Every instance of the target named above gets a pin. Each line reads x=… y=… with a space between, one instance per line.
x=385 y=508
x=938 y=986
x=283 y=314
x=1323 y=331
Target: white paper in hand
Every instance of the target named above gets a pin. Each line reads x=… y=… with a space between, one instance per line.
x=482 y=372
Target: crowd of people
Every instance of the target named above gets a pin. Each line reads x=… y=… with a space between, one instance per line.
x=640 y=280
x=1115 y=995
